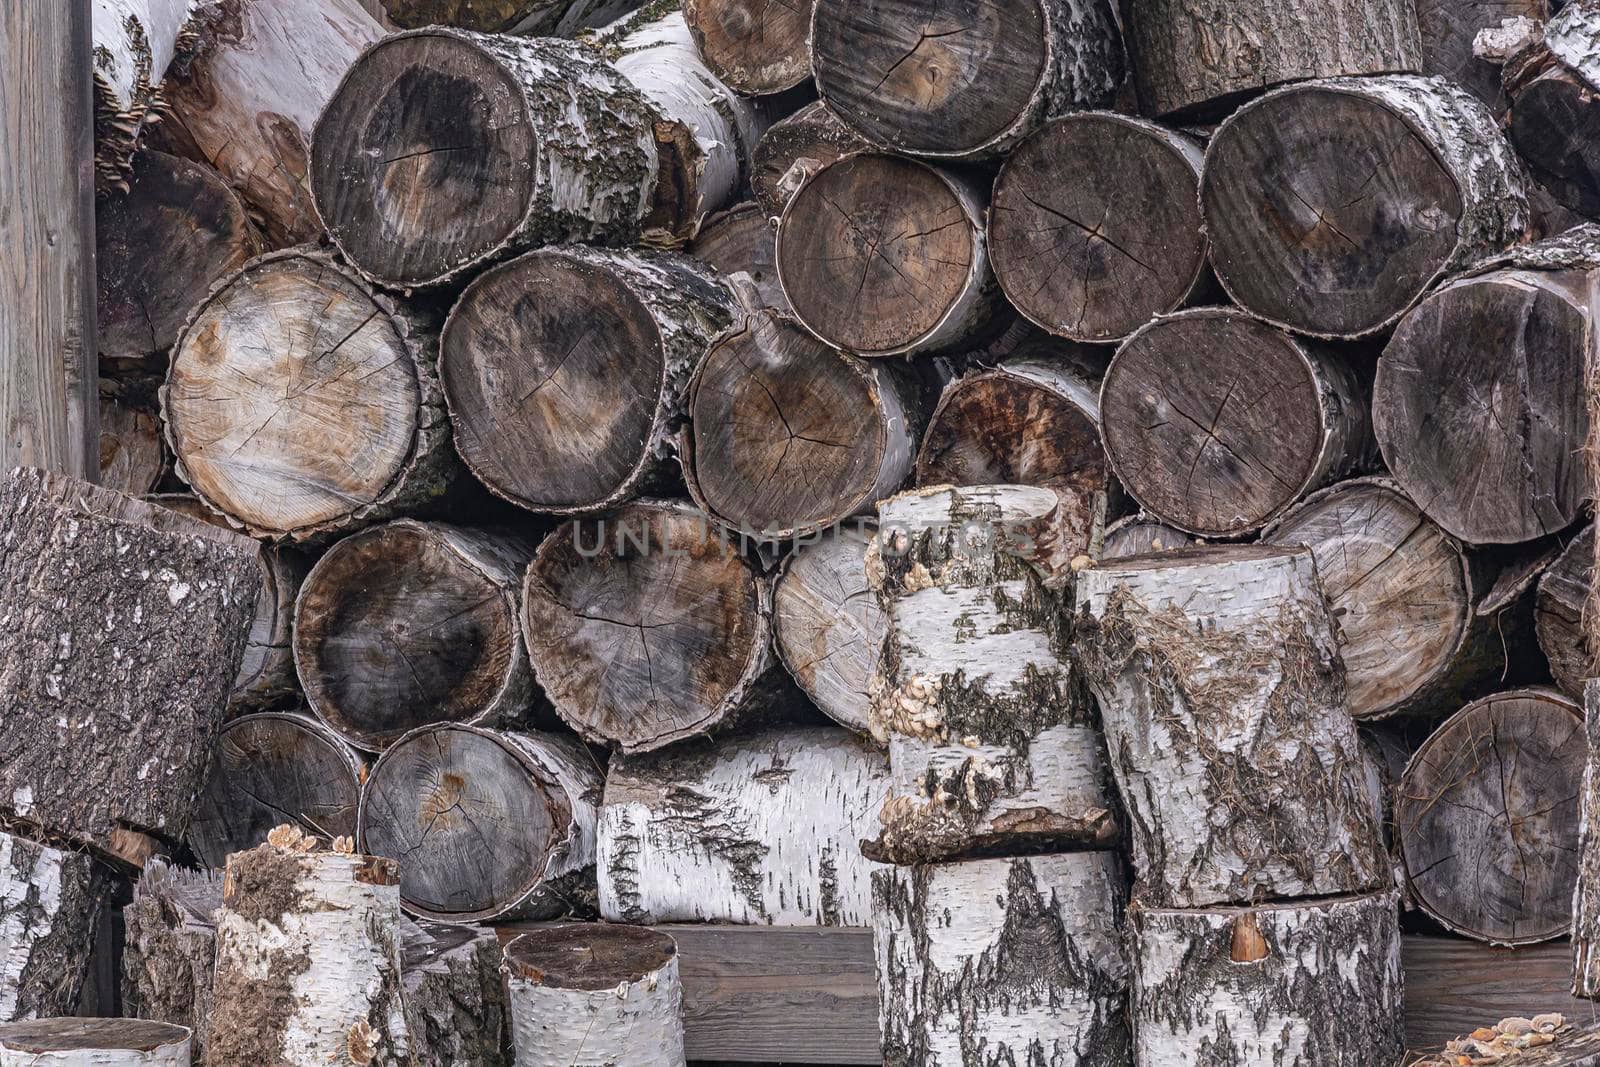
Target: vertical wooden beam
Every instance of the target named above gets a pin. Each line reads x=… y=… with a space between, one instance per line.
x=49 y=410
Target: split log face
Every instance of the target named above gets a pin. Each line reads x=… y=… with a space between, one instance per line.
x=1222 y=696
x=565 y=372
x=456 y=998
x=753 y=46
x=907 y=240
x=169 y=957
x=647 y=627
x=760 y=829
x=815 y=133
x=1202 y=59
x=585 y=993
x=1564 y=599
x=271 y=769
x=1586 y=892
x=1216 y=422
x=742 y=240
x=1003 y=961
x=410 y=624
x=790 y=436
x=442 y=149
x=541 y=18
x=1095 y=226
x=50 y=903
x=1479 y=396
x=1402 y=591
x=1512 y=760
x=1448 y=30
x=158 y=249
x=1139 y=536
x=829 y=627
x=131 y=459
x=1391 y=183
x=490 y=824
x=296 y=324
x=94 y=1043
x=957 y=78
x=1299 y=984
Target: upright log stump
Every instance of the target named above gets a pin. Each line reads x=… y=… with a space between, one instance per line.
x=170 y=952
x=50 y=903
x=1219 y=682
x=456 y=997
x=94 y=1043
x=1586 y=891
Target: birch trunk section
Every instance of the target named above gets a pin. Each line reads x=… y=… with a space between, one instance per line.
x=1586 y=890
x=94 y=1043
x=135 y=41
x=49 y=906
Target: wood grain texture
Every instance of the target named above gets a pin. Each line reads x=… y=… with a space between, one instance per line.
x=828 y=626
x=1586 y=891
x=132 y=457
x=552 y=18
x=1137 y=535
x=742 y=239
x=1448 y=28
x=753 y=46
x=1561 y=614
x=108 y=1042
x=813 y=133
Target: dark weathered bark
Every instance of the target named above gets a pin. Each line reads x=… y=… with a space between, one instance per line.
x=302 y=403
x=101 y=1042
x=455 y=997
x=534 y=18
x=954 y=79
x=743 y=240
x=753 y=46
x=490 y=824
x=1138 y=535
x=169 y=956
x=1299 y=984
x=904 y=240
x=1095 y=225
x=813 y=133
x=159 y=246
x=566 y=371
x=647 y=627
x=1311 y=199
x=1586 y=892
x=1222 y=696
x=414 y=623
x=1566 y=595
x=131 y=457
x=50 y=902
x=993 y=962
x=103 y=730
x=789 y=436
x=1448 y=30
x=1216 y=422
x=1553 y=87
x=1488 y=817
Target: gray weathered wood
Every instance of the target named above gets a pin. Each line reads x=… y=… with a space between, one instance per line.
x=753 y=46
x=455 y=996
x=1448 y=28
x=1561 y=608
x=98 y=1042
x=132 y=459
x=1585 y=928
x=742 y=239
x=828 y=626
x=813 y=133
x=550 y=18
x=1137 y=535
x=169 y=955
x=1551 y=85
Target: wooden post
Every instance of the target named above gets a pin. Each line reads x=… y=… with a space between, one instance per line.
x=48 y=405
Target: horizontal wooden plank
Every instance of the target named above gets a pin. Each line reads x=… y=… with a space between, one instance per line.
x=1454 y=985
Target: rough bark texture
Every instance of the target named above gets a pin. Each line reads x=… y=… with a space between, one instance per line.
x=1216 y=423
x=533 y=18
x=49 y=906
x=813 y=133
x=1139 y=535
x=742 y=240
x=604 y=995
x=1552 y=85
x=102 y=729
x=1566 y=593
x=566 y=371
x=1586 y=890
x=992 y=741
x=990 y=963
x=455 y=998
x=362 y=434
x=1488 y=814
x=1298 y=984
x=308 y=961
x=490 y=824
x=1333 y=206
x=753 y=46
x=1219 y=682
x=1448 y=30
x=761 y=829
x=93 y=1043
x=135 y=41
x=958 y=80
x=169 y=956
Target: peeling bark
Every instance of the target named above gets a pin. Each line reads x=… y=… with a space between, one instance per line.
x=50 y=904
x=169 y=959
x=455 y=997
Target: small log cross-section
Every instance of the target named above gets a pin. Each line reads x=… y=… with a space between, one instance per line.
x=169 y=956
x=413 y=623
x=1216 y=422
x=743 y=240
x=1564 y=600
x=489 y=824
x=1095 y=225
x=443 y=149
x=992 y=741
x=905 y=240
x=1138 y=535
x=1219 y=682
x=94 y=1043
x=308 y=960
x=455 y=997
x=103 y=730
x=585 y=993
x=1333 y=206
x=49 y=907
x=958 y=79
x=270 y=769
x=565 y=372
x=544 y=18
x=1553 y=87
x=301 y=403
x=1002 y=961
x=760 y=829
x=647 y=627
x=789 y=436
x=1586 y=893
x=813 y=133
x=1313 y=983
x=1488 y=817
x=755 y=47
x=131 y=457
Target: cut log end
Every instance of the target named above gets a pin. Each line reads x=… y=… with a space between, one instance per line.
x=813 y=133
x=753 y=46
x=587 y=957
x=1564 y=601
x=112 y=1042
x=829 y=625
x=742 y=240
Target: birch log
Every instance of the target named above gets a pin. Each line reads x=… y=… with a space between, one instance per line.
x=759 y=829
x=414 y=623
x=102 y=730
x=1552 y=86
x=574 y=409
x=1002 y=961
x=256 y=376
x=1563 y=602
x=1312 y=983
x=529 y=18
x=135 y=41
x=957 y=80
x=169 y=955
x=246 y=102
x=755 y=47
x=813 y=133
x=50 y=903
x=456 y=998
x=585 y=993
x=1219 y=682
x=308 y=960
x=1586 y=888
x=94 y=1043
x=1333 y=206
x=828 y=626
x=992 y=741
x=490 y=824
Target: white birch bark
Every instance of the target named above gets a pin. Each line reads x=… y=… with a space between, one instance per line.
x=49 y=903
x=94 y=1043
x=1586 y=891
x=135 y=41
